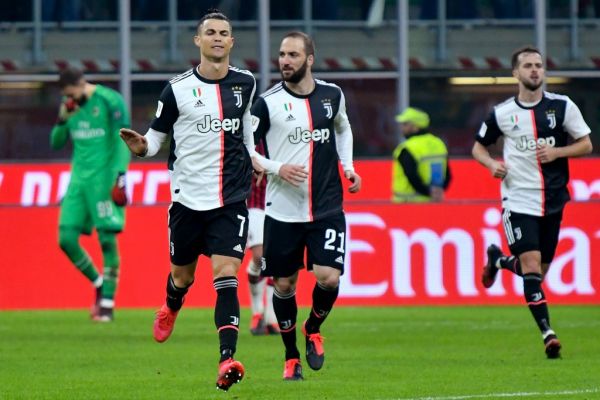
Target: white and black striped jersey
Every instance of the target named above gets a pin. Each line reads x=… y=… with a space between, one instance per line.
x=211 y=129
x=531 y=187
x=311 y=130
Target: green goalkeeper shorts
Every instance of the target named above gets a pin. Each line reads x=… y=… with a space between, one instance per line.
x=88 y=205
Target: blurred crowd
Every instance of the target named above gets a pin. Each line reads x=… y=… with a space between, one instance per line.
x=156 y=10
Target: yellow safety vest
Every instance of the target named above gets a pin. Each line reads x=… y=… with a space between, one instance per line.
x=427 y=150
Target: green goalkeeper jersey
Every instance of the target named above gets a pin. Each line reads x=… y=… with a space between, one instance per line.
x=98 y=151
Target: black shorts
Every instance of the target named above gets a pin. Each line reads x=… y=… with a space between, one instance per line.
x=222 y=231
x=531 y=233
x=285 y=242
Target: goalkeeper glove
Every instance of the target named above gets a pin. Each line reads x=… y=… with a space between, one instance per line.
x=67 y=108
x=118 y=194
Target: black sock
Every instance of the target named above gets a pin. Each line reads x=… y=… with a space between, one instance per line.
x=512 y=264
x=175 y=295
x=536 y=300
x=323 y=299
x=286 y=311
x=227 y=315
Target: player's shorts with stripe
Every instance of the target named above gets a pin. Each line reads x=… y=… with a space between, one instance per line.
x=221 y=231
x=529 y=233
x=88 y=205
x=285 y=242
x=256 y=217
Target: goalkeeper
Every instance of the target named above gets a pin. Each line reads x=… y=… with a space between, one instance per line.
x=91 y=115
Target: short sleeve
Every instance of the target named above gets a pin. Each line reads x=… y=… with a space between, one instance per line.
x=574 y=123
x=260 y=119
x=489 y=132
x=166 y=111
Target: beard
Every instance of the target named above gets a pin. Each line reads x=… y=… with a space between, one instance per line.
x=296 y=76
x=532 y=86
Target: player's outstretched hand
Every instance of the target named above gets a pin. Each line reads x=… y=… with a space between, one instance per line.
x=293 y=174
x=137 y=143
x=355 y=179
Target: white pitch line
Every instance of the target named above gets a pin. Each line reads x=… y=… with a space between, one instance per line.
x=492 y=395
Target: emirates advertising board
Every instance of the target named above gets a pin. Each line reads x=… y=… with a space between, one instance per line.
x=396 y=254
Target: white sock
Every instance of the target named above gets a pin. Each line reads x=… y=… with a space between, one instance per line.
x=256 y=294
x=270 y=313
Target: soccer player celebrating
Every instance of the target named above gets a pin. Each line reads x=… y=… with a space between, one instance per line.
x=206 y=110
x=91 y=115
x=536 y=127
x=304 y=126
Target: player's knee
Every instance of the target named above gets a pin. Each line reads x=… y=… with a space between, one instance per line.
x=67 y=239
x=253 y=270
x=531 y=267
x=284 y=285
x=329 y=282
x=182 y=277
x=108 y=241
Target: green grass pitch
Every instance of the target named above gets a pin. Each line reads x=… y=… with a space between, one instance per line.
x=437 y=353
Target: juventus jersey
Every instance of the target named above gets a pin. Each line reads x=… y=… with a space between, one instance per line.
x=210 y=124
x=531 y=187
x=310 y=130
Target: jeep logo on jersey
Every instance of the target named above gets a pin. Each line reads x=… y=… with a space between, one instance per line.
x=317 y=135
x=208 y=124
x=532 y=144
x=237 y=92
x=328 y=108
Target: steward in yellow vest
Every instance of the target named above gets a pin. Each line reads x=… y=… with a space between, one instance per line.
x=420 y=171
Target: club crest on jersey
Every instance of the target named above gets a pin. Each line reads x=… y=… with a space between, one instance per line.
x=328 y=108
x=237 y=93
x=551 y=116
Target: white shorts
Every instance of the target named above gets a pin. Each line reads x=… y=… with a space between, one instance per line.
x=256 y=223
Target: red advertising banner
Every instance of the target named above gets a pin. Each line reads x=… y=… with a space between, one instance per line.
x=396 y=255
x=148 y=183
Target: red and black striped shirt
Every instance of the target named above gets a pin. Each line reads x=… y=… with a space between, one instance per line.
x=257 y=192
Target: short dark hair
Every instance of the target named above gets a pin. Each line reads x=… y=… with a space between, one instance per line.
x=525 y=49
x=70 y=76
x=309 y=44
x=213 y=13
